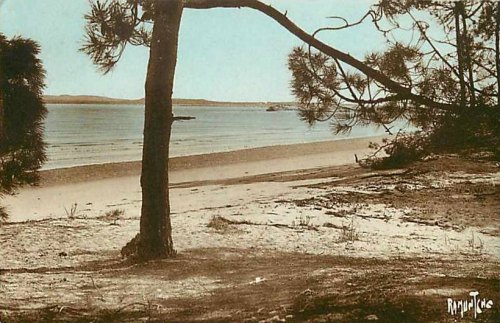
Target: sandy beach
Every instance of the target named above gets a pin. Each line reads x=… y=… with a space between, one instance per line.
x=99 y=188
x=256 y=208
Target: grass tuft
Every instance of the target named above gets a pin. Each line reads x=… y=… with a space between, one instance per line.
x=219 y=223
x=72 y=213
x=349 y=232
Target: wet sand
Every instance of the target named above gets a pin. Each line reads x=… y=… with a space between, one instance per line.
x=226 y=164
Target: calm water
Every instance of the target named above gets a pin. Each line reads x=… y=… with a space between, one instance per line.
x=93 y=134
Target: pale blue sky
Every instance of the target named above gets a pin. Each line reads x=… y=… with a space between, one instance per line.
x=224 y=54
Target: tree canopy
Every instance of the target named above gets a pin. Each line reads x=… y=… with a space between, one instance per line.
x=22 y=149
x=445 y=53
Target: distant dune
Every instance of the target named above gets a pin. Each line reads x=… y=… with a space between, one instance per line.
x=91 y=99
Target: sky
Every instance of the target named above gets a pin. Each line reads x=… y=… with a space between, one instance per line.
x=224 y=54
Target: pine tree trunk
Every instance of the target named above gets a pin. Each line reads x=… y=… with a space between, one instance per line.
x=2 y=117
x=468 y=55
x=155 y=228
x=460 y=59
x=2 y=110
x=497 y=50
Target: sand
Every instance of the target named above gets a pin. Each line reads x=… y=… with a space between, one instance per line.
x=257 y=186
x=98 y=188
x=300 y=199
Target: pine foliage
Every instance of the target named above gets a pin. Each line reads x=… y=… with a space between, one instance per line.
x=450 y=56
x=22 y=111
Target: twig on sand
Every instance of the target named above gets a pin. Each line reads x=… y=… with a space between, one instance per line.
x=277 y=225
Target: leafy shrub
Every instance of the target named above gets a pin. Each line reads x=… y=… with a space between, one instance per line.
x=400 y=151
x=477 y=128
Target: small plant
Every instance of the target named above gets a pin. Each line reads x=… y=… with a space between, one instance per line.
x=114 y=214
x=349 y=233
x=73 y=211
x=218 y=223
x=302 y=221
x=473 y=244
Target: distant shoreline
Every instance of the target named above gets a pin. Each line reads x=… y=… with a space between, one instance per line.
x=89 y=99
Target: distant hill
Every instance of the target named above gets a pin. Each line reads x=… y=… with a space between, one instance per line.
x=91 y=99
x=87 y=99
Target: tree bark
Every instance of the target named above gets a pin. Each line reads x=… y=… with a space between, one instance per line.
x=155 y=228
x=2 y=114
x=497 y=50
x=3 y=83
x=460 y=59
x=468 y=55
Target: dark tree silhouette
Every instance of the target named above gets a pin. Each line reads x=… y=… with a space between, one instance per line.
x=452 y=61
x=22 y=150
x=155 y=23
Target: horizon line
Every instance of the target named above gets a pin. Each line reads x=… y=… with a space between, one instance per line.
x=106 y=98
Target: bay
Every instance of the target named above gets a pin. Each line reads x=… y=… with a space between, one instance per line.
x=95 y=134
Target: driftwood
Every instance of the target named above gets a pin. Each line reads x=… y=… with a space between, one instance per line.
x=278 y=225
x=183 y=118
